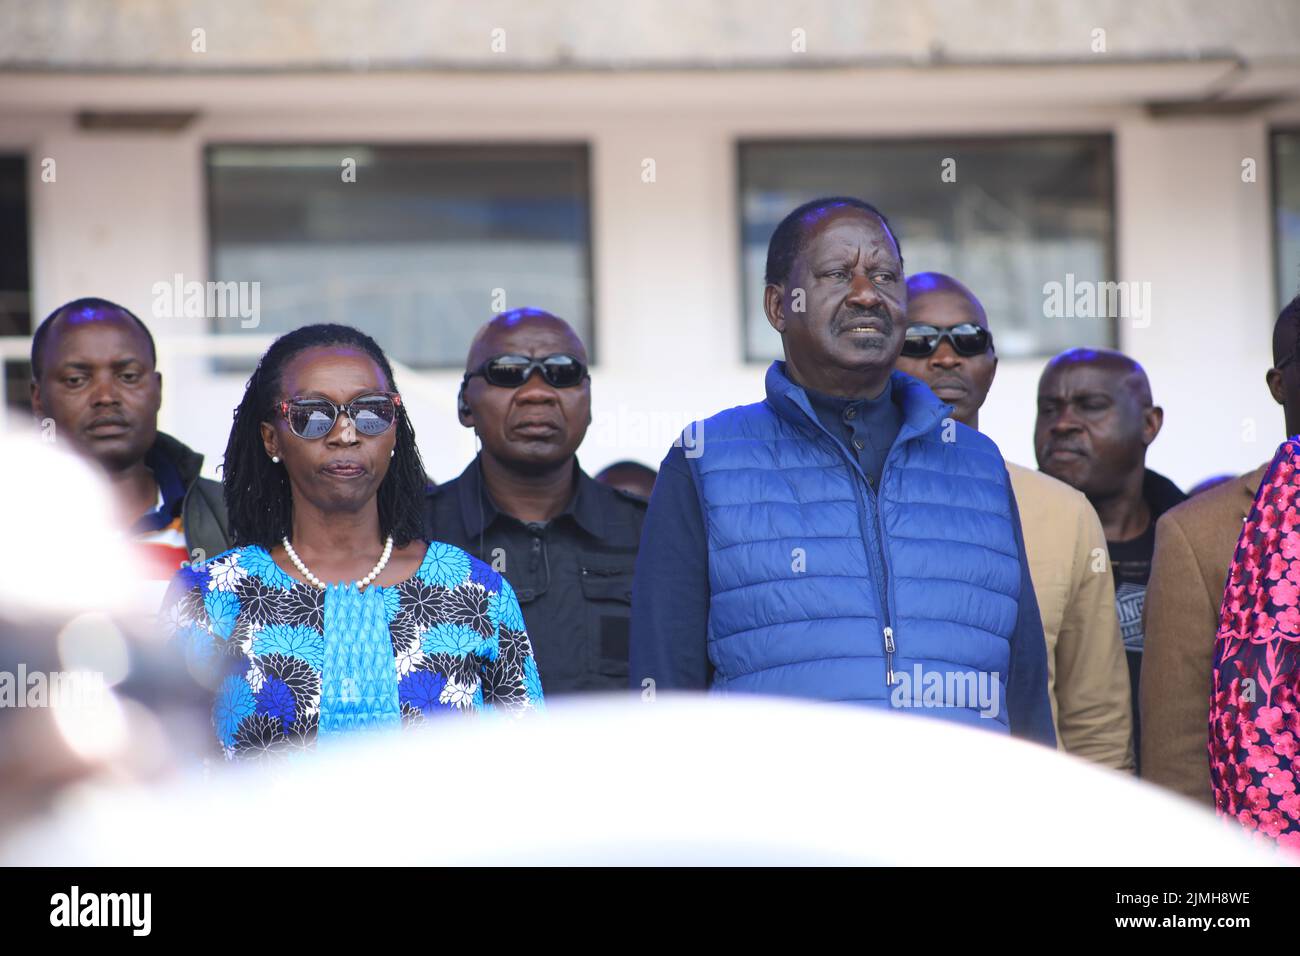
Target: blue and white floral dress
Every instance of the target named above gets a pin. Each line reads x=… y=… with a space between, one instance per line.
x=293 y=665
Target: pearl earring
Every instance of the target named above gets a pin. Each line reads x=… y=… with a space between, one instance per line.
x=392 y=453
x=276 y=459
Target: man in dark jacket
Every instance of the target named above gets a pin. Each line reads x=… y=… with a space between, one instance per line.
x=95 y=387
x=1096 y=419
x=844 y=539
x=566 y=543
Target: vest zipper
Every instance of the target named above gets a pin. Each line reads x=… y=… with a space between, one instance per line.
x=884 y=576
x=889 y=656
x=888 y=575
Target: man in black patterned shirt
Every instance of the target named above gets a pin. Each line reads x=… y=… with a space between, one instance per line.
x=565 y=542
x=1096 y=419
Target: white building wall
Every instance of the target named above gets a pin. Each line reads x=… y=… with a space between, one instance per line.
x=127 y=211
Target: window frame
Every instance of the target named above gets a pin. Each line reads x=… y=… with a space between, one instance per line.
x=17 y=372
x=1105 y=138
x=582 y=147
x=1275 y=133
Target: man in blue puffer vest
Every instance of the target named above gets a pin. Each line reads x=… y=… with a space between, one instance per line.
x=844 y=539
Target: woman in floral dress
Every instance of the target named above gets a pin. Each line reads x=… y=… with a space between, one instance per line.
x=332 y=616
x=1254 y=721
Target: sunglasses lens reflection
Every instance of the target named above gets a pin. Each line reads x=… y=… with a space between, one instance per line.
x=562 y=372
x=507 y=371
x=375 y=416
x=311 y=419
x=918 y=344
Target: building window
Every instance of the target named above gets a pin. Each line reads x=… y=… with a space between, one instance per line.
x=416 y=245
x=15 y=275
x=1005 y=216
x=1286 y=204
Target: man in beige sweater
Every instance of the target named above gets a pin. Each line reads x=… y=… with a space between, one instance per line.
x=1195 y=542
x=949 y=347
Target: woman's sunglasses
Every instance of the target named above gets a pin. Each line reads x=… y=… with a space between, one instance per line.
x=966 y=339
x=511 y=371
x=312 y=418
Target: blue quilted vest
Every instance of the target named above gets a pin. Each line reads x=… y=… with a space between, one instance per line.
x=823 y=588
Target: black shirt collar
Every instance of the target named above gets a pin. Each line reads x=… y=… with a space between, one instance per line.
x=1160 y=493
x=478 y=511
x=835 y=404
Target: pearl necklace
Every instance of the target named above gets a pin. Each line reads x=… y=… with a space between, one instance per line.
x=317 y=582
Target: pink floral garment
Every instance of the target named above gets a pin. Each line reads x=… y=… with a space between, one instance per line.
x=1254 y=721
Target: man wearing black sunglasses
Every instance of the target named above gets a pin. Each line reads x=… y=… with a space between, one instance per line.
x=842 y=540
x=949 y=347
x=566 y=543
